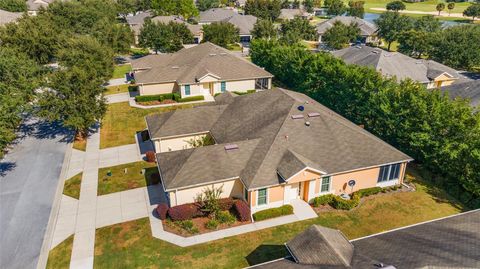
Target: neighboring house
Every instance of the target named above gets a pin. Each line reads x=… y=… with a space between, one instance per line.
x=395 y=64
x=451 y=242
x=290 y=13
x=240 y=3
x=8 y=17
x=35 y=5
x=367 y=30
x=320 y=12
x=206 y=69
x=467 y=90
x=271 y=147
x=244 y=23
x=137 y=21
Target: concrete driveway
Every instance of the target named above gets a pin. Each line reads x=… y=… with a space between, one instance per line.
x=29 y=176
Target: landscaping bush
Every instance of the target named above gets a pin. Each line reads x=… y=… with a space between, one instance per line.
x=150 y=156
x=239 y=93
x=188 y=226
x=369 y=191
x=322 y=200
x=340 y=203
x=162 y=210
x=225 y=217
x=251 y=91
x=191 y=99
x=211 y=224
x=147 y=98
x=242 y=210
x=225 y=203
x=176 y=97
x=184 y=212
x=273 y=212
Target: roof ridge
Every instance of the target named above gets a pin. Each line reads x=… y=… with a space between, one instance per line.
x=340 y=255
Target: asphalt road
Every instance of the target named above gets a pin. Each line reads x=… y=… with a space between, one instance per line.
x=29 y=175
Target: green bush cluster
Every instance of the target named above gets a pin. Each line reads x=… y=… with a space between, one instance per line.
x=191 y=99
x=322 y=200
x=211 y=224
x=273 y=212
x=369 y=191
x=188 y=226
x=340 y=203
x=226 y=217
x=156 y=97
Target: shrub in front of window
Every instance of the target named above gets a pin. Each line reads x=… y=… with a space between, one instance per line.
x=184 y=212
x=162 y=210
x=242 y=210
x=273 y=212
x=150 y=155
x=322 y=200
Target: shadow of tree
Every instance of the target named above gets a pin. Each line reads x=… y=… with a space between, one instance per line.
x=264 y=253
x=6 y=167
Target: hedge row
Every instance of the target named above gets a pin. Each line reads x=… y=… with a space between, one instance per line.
x=322 y=200
x=191 y=99
x=369 y=191
x=168 y=96
x=273 y=212
x=340 y=203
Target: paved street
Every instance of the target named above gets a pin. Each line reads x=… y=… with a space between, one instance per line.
x=29 y=176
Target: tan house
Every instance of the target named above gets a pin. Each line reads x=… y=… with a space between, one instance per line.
x=367 y=30
x=8 y=17
x=394 y=64
x=206 y=69
x=244 y=23
x=270 y=147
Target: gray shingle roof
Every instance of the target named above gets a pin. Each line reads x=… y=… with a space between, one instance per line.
x=215 y=15
x=290 y=13
x=366 y=28
x=35 y=5
x=188 y=65
x=139 y=18
x=331 y=143
x=244 y=23
x=394 y=63
x=319 y=245
x=7 y=17
x=452 y=242
x=468 y=90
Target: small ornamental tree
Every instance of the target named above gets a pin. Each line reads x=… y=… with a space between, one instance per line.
x=150 y=155
x=162 y=210
x=472 y=11
x=340 y=35
x=440 y=7
x=356 y=9
x=396 y=6
x=221 y=33
x=209 y=200
x=450 y=7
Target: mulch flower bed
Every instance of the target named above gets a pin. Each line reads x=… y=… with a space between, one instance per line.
x=199 y=223
x=152 y=103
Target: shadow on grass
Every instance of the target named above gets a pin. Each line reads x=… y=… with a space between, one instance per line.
x=265 y=253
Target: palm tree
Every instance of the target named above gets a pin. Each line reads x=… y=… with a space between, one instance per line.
x=440 y=7
x=450 y=6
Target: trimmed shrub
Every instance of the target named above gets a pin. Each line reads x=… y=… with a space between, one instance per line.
x=369 y=191
x=322 y=200
x=191 y=99
x=176 y=97
x=184 y=212
x=150 y=156
x=211 y=224
x=340 y=203
x=188 y=226
x=162 y=210
x=239 y=93
x=242 y=210
x=225 y=203
x=273 y=212
x=225 y=217
x=156 y=97
x=251 y=91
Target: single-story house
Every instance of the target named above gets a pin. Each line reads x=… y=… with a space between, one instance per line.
x=467 y=90
x=244 y=23
x=290 y=13
x=206 y=69
x=136 y=24
x=367 y=30
x=270 y=148
x=394 y=64
x=34 y=5
x=451 y=242
x=8 y=17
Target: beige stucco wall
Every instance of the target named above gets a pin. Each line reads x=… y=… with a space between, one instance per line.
x=443 y=80
x=304 y=176
x=239 y=86
x=178 y=143
x=152 y=89
x=275 y=194
x=232 y=188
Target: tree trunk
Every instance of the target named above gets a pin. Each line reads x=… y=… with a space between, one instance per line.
x=389 y=43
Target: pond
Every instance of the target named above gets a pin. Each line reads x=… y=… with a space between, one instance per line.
x=371 y=17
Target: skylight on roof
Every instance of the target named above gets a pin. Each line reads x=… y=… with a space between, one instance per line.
x=231 y=147
x=298 y=116
x=313 y=114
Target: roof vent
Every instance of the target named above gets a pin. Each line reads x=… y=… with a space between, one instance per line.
x=223 y=53
x=307 y=123
x=212 y=54
x=301 y=108
x=175 y=67
x=313 y=114
x=298 y=116
x=231 y=147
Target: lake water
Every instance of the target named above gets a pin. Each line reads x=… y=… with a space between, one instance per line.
x=370 y=17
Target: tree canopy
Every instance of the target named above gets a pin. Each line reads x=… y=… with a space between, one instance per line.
x=185 y=8
x=356 y=9
x=335 y=7
x=164 y=37
x=264 y=29
x=340 y=35
x=264 y=9
x=221 y=33
x=472 y=11
x=391 y=25
x=207 y=4
x=297 y=29
x=396 y=6
x=13 y=5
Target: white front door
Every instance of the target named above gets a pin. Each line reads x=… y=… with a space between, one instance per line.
x=294 y=191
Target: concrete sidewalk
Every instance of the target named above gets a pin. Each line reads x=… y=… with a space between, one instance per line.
x=118 y=98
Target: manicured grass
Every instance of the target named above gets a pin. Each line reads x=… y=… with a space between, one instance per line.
x=120 y=70
x=121 y=122
x=235 y=47
x=118 y=89
x=132 y=241
x=429 y=5
x=121 y=181
x=59 y=257
x=72 y=186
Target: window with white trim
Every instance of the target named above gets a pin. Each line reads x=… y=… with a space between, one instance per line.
x=262 y=197
x=223 y=86
x=389 y=172
x=187 y=89
x=325 y=187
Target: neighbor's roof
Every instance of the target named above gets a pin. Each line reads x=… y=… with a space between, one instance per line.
x=215 y=15
x=451 y=242
x=244 y=23
x=366 y=28
x=34 y=5
x=187 y=66
x=468 y=90
x=7 y=16
x=290 y=13
x=168 y=19
x=331 y=143
x=319 y=245
x=139 y=18
x=394 y=63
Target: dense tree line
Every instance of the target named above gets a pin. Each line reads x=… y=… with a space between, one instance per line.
x=13 y=5
x=263 y=9
x=82 y=37
x=441 y=134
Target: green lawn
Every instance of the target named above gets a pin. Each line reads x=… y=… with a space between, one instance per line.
x=235 y=47
x=119 y=89
x=121 y=122
x=72 y=186
x=133 y=242
x=120 y=70
x=59 y=257
x=121 y=181
x=429 y=5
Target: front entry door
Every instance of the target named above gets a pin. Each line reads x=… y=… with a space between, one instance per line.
x=212 y=89
x=295 y=191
